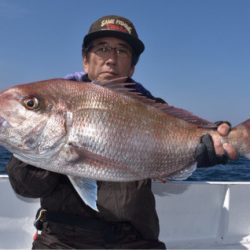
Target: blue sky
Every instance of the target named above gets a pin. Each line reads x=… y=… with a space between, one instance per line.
x=197 y=51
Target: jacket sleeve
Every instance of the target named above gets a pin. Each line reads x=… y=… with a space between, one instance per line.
x=30 y=181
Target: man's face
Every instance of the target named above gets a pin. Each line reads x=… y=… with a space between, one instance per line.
x=108 y=58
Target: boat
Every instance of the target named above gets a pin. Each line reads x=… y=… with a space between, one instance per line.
x=193 y=215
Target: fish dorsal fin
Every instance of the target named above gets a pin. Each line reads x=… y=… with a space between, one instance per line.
x=128 y=88
x=112 y=83
x=185 y=115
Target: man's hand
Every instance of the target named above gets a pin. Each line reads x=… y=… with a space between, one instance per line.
x=211 y=151
x=220 y=149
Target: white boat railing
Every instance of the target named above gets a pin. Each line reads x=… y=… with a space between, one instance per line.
x=204 y=214
x=193 y=215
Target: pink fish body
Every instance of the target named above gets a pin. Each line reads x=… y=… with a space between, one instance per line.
x=106 y=133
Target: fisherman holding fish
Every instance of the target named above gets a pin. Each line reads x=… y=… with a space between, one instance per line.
x=126 y=216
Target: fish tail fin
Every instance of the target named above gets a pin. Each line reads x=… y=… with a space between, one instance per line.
x=239 y=137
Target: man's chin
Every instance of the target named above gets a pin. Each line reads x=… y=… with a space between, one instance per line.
x=107 y=76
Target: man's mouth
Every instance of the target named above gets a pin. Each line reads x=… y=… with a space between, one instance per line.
x=109 y=72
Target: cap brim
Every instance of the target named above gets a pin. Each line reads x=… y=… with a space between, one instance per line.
x=135 y=43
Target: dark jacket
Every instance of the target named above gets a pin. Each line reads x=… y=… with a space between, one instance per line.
x=131 y=202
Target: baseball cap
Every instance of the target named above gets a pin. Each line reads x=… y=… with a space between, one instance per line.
x=115 y=26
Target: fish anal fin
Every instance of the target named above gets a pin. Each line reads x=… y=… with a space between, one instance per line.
x=182 y=174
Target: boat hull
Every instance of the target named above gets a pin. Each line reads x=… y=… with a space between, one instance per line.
x=193 y=215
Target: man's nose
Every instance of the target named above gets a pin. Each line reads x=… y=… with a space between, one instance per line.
x=112 y=58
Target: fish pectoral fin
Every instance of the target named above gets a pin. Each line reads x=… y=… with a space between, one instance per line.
x=183 y=174
x=99 y=162
x=87 y=190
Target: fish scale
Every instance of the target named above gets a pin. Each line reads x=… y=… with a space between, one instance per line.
x=131 y=141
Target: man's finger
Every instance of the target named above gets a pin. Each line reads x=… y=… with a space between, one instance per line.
x=231 y=152
x=223 y=129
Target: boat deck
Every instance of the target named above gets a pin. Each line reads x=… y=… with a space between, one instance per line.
x=193 y=215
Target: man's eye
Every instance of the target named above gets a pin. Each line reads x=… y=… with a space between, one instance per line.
x=121 y=51
x=102 y=49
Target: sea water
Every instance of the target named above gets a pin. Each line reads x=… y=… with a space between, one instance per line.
x=233 y=171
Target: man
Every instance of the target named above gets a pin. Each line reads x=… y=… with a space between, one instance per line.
x=127 y=217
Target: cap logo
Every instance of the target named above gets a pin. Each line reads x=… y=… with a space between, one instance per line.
x=116 y=24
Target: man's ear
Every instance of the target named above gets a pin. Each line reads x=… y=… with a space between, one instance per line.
x=131 y=71
x=85 y=64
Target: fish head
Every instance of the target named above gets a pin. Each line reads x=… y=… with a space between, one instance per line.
x=32 y=121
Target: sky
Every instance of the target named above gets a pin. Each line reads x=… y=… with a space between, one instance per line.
x=197 y=54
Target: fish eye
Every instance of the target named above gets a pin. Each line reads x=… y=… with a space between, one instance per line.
x=31 y=103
